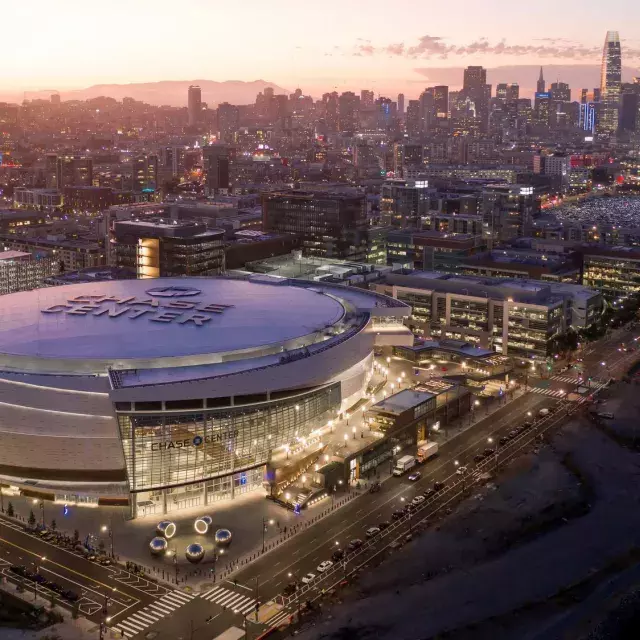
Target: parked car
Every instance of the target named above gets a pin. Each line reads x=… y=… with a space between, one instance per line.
x=503 y=441
x=438 y=486
x=418 y=500
x=397 y=514
x=461 y=471
x=290 y=589
x=478 y=458
x=337 y=555
x=324 y=566
x=428 y=493
x=309 y=577
x=489 y=452
x=356 y=543
x=383 y=525
x=373 y=531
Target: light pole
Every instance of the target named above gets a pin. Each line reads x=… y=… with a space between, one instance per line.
x=109 y=529
x=295 y=577
x=105 y=618
x=41 y=505
x=35 y=582
x=264 y=529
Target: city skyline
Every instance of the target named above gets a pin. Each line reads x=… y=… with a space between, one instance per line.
x=389 y=52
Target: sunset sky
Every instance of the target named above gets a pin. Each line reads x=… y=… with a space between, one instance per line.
x=343 y=44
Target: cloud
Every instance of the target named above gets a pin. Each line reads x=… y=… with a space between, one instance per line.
x=429 y=47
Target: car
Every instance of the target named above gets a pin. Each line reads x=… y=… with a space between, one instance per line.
x=438 y=486
x=69 y=595
x=416 y=475
x=461 y=471
x=428 y=493
x=337 y=555
x=513 y=434
x=503 y=441
x=354 y=544
x=290 y=589
x=324 y=566
x=489 y=452
x=527 y=424
x=478 y=458
x=375 y=487
x=418 y=500
x=383 y=525
x=397 y=514
x=309 y=577
x=373 y=531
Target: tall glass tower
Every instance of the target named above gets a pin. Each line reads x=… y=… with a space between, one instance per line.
x=610 y=80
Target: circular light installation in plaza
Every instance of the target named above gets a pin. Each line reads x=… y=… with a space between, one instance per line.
x=223 y=537
x=194 y=553
x=166 y=529
x=158 y=546
x=202 y=524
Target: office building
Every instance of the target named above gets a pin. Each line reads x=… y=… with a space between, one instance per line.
x=400 y=104
x=330 y=224
x=72 y=254
x=228 y=121
x=541 y=86
x=610 y=80
x=613 y=270
x=156 y=248
x=560 y=92
x=508 y=210
x=194 y=105
x=40 y=199
x=145 y=173
x=514 y=317
x=180 y=390
x=366 y=99
x=216 y=160
x=414 y=120
x=348 y=107
x=68 y=171
x=403 y=202
x=20 y=271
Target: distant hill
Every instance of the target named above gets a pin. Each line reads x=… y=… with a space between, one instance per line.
x=169 y=92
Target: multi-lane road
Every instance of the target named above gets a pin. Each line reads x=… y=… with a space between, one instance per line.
x=96 y=586
x=137 y=606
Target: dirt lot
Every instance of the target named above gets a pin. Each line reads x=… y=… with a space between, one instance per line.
x=530 y=560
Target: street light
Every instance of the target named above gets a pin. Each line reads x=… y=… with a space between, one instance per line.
x=264 y=529
x=346 y=438
x=353 y=430
x=109 y=529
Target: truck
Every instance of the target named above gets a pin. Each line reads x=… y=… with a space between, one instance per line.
x=403 y=465
x=427 y=450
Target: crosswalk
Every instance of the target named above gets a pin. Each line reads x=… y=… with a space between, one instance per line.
x=554 y=393
x=152 y=613
x=278 y=619
x=569 y=379
x=237 y=602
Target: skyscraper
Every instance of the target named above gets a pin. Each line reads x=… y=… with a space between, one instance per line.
x=541 y=83
x=401 y=104
x=194 y=104
x=476 y=89
x=610 y=80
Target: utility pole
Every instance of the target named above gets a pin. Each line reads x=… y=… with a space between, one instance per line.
x=257 y=597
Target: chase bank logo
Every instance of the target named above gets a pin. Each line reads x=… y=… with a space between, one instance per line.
x=173 y=292
x=197 y=441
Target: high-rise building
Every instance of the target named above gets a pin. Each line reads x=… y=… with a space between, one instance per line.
x=216 y=160
x=476 y=90
x=329 y=224
x=401 y=104
x=71 y=171
x=630 y=108
x=21 y=271
x=501 y=91
x=145 y=173
x=441 y=102
x=348 y=105
x=366 y=99
x=610 y=80
x=331 y=109
x=541 y=86
x=587 y=120
x=194 y=105
x=560 y=92
x=156 y=248
x=229 y=120
x=513 y=92
x=414 y=119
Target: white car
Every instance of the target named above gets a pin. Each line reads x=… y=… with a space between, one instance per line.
x=310 y=577
x=373 y=531
x=324 y=566
x=461 y=471
x=418 y=500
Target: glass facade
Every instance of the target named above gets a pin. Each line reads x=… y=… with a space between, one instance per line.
x=182 y=459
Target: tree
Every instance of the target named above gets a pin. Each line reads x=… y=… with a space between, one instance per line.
x=54 y=525
x=32 y=519
x=10 y=511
